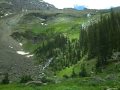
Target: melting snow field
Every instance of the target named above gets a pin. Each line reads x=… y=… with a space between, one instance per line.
x=27 y=54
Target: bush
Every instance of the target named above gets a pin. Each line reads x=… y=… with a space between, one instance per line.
x=83 y=72
x=25 y=79
x=6 y=79
x=47 y=80
x=73 y=74
x=65 y=76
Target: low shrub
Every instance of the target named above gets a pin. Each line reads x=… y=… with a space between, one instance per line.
x=5 y=79
x=25 y=79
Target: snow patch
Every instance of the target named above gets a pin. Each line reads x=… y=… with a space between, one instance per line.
x=42 y=23
x=22 y=53
x=28 y=56
x=45 y=24
x=88 y=15
x=20 y=44
x=10 y=47
x=6 y=14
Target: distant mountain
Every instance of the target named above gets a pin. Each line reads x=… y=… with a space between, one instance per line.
x=8 y=7
x=78 y=7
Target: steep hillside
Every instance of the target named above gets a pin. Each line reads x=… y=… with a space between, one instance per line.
x=10 y=60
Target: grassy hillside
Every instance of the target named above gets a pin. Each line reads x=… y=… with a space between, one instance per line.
x=48 y=24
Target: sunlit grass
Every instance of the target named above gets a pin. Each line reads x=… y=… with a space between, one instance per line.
x=67 y=84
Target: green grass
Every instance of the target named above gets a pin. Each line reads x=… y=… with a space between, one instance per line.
x=15 y=87
x=58 y=24
x=68 y=84
x=48 y=87
x=111 y=68
x=67 y=71
x=30 y=47
x=77 y=67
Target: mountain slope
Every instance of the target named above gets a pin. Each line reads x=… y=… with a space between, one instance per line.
x=10 y=61
x=30 y=5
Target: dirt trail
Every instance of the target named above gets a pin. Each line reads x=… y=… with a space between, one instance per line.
x=11 y=62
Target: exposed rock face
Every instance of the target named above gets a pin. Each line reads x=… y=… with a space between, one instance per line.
x=5 y=9
x=11 y=6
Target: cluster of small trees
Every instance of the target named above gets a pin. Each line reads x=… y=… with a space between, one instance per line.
x=67 y=56
x=64 y=52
